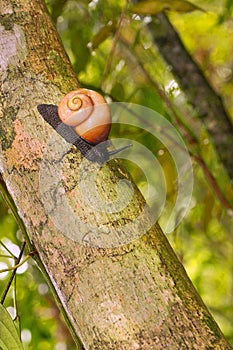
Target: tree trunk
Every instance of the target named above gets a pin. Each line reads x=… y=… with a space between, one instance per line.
x=134 y=296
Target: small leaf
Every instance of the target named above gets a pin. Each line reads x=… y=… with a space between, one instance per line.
x=153 y=7
x=149 y=7
x=9 y=339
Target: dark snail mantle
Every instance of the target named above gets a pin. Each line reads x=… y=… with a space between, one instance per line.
x=83 y=119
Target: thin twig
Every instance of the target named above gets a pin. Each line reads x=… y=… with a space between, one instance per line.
x=115 y=42
x=15 y=267
x=13 y=273
x=6 y=256
x=213 y=182
x=5 y=247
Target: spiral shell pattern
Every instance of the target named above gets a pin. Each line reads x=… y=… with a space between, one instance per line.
x=88 y=113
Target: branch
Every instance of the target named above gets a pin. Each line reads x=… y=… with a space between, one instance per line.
x=208 y=105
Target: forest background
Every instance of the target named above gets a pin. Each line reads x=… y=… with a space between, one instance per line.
x=113 y=50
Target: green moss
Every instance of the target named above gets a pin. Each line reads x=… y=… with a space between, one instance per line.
x=213 y=326
x=59 y=68
x=7 y=22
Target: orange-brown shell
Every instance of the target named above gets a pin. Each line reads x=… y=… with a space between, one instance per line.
x=88 y=113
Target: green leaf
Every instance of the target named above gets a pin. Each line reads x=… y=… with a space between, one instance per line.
x=152 y=7
x=9 y=339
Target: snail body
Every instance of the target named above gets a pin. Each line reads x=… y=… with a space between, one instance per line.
x=88 y=113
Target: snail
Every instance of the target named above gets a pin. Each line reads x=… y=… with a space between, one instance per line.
x=83 y=119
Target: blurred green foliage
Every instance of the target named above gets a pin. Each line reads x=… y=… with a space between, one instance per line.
x=111 y=50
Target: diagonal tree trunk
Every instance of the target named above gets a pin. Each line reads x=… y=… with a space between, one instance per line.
x=134 y=296
x=207 y=104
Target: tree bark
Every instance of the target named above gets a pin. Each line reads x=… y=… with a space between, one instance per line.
x=134 y=296
x=207 y=104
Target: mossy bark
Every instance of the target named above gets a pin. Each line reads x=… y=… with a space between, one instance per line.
x=133 y=296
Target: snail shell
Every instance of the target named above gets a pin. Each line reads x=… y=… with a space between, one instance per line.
x=88 y=113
